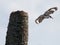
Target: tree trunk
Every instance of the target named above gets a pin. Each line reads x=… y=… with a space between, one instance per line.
x=17 y=32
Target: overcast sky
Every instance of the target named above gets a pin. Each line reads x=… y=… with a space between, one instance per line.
x=45 y=33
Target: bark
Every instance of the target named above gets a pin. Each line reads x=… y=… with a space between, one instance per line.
x=17 y=30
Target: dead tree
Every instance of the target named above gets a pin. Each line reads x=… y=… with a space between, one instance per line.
x=17 y=30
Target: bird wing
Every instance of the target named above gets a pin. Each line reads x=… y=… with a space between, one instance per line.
x=46 y=15
x=40 y=19
x=50 y=11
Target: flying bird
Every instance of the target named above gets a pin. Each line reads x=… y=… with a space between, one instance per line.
x=46 y=15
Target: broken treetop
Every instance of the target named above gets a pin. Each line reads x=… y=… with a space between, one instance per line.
x=21 y=13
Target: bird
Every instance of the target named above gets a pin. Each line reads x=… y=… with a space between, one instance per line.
x=46 y=15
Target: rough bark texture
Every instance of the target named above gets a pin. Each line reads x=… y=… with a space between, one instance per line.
x=17 y=32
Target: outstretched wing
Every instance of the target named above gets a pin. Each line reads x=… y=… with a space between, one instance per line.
x=46 y=15
x=50 y=11
x=40 y=19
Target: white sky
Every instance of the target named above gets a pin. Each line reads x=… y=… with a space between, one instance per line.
x=45 y=33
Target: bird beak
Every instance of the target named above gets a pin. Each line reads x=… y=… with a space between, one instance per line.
x=51 y=17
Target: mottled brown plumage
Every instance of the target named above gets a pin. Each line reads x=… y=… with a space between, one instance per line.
x=46 y=15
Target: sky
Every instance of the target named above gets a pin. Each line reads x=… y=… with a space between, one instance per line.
x=45 y=33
